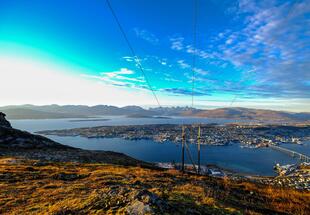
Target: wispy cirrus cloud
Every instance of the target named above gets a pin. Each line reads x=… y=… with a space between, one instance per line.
x=137 y=62
x=177 y=43
x=271 y=48
x=183 y=91
x=122 y=74
x=146 y=35
x=275 y=41
x=121 y=78
x=183 y=64
x=198 y=71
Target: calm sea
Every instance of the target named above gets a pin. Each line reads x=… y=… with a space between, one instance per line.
x=253 y=161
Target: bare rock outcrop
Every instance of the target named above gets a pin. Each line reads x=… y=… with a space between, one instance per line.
x=3 y=121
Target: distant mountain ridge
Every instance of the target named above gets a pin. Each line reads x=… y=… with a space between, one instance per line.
x=69 y=111
x=251 y=114
x=83 y=111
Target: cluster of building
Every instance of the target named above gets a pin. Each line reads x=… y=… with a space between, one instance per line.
x=248 y=135
x=204 y=170
x=294 y=176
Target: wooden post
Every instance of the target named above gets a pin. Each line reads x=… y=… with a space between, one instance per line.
x=198 y=149
x=183 y=145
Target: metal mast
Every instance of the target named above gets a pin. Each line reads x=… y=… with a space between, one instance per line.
x=198 y=139
x=183 y=145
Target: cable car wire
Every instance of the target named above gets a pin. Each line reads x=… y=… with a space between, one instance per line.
x=132 y=51
x=195 y=17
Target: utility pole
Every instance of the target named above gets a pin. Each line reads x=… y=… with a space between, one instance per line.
x=198 y=139
x=191 y=134
x=183 y=145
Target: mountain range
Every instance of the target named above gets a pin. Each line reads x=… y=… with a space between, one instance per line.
x=83 y=111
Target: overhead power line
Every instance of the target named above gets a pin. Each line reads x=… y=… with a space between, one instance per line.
x=195 y=15
x=233 y=100
x=132 y=51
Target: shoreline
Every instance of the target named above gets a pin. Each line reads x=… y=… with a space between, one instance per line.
x=227 y=172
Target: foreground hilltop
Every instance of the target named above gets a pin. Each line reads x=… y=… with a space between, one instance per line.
x=29 y=187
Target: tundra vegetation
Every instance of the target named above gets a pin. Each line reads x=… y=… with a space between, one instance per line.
x=38 y=187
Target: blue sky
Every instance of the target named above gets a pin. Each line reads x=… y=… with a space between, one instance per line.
x=254 y=53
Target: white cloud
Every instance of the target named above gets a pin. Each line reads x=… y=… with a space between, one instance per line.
x=229 y=41
x=163 y=62
x=122 y=71
x=183 y=65
x=271 y=38
x=118 y=78
x=200 y=71
x=177 y=43
x=129 y=59
x=26 y=81
x=121 y=75
x=146 y=35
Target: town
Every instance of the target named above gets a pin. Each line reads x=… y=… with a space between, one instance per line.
x=212 y=134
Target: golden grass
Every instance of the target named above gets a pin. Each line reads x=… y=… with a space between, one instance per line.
x=103 y=189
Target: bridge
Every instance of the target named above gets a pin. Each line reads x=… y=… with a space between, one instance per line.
x=290 y=152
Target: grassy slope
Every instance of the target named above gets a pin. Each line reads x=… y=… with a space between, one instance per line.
x=68 y=188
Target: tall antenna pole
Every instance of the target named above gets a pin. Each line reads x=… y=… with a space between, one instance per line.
x=183 y=145
x=198 y=139
x=191 y=135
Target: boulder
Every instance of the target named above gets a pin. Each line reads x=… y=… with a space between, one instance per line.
x=139 y=208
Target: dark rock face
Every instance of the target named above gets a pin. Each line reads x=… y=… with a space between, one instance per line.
x=14 y=139
x=3 y=121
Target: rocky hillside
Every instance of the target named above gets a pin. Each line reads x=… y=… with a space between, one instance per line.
x=4 y=122
x=19 y=143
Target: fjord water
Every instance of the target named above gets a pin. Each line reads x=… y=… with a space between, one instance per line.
x=246 y=160
x=51 y=124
